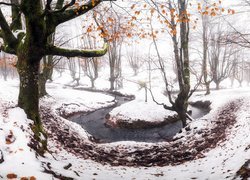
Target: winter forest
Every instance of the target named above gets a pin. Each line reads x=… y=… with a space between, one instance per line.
x=119 y=89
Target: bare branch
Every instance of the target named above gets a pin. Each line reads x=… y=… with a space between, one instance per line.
x=67 y=6
x=9 y=4
x=161 y=104
x=62 y=15
x=1 y=157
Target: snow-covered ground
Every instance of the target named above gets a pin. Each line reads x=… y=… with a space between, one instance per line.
x=217 y=162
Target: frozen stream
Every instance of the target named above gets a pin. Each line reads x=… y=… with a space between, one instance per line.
x=94 y=124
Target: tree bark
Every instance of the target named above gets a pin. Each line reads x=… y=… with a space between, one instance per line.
x=42 y=85
x=112 y=84
x=207 y=84
x=181 y=105
x=92 y=83
x=28 y=99
x=217 y=85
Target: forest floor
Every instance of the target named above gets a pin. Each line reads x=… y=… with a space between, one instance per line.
x=215 y=146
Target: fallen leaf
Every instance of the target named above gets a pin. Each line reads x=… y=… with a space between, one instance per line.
x=32 y=178
x=11 y=176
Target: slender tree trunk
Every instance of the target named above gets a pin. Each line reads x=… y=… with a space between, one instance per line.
x=45 y=75
x=204 y=61
x=92 y=83
x=112 y=84
x=217 y=85
x=207 y=84
x=42 y=85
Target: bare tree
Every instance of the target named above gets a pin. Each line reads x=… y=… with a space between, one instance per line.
x=205 y=44
x=115 y=29
x=181 y=54
x=221 y=55
x=134 y=59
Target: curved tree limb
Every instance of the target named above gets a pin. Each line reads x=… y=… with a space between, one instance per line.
x=61 y=16
x=6 y=32
x=57 y=51
x=9 y=4
x=67 y=6
x=171 y=108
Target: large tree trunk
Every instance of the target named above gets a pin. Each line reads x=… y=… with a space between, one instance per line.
x=28 y=100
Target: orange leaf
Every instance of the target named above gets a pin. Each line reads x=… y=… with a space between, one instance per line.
x=11 y=176
x=24 y=178
x=32 y=178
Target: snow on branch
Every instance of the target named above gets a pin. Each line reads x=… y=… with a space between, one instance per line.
x=53 y=50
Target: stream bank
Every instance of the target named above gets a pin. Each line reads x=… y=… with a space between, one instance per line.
x=95 y=123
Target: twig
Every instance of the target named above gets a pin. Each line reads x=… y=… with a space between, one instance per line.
x=1 y=159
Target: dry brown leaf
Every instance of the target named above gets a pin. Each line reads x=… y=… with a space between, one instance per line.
x=32 y=178
x=11 y=176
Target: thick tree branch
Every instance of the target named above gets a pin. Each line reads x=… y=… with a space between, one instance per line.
x=67 y=6
x=9 y=4
x=57 y=51
x=61 y=17
x=8 y=36
x=16 y=23
x=48 y=5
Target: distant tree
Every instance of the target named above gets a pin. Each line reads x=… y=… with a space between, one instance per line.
x=90 y=66
x=134 y=59
x=205 y=51
x=116 y=28
x=221 y=55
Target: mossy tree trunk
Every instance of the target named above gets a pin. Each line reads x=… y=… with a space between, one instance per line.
x=28 y=70
x=33 y=44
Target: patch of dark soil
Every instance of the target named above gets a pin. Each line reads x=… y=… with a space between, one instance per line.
x=173 y=152
x=244 y=171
